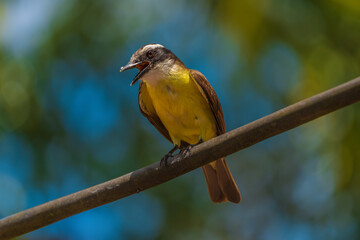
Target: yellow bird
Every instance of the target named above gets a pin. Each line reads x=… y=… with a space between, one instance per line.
x=184 y=108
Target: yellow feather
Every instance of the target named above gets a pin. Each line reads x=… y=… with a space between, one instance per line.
x=181 y=107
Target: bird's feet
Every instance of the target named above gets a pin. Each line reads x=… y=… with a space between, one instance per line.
x=165 y=158
x=186 y=151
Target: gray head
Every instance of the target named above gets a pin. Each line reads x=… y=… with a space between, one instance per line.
x=149 y=57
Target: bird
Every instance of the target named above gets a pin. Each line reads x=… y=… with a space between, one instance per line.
x=181 y=104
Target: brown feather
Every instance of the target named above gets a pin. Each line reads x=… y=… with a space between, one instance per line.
x=211 y=97
x=215 y=192
x=218 y=176
x=227 y=182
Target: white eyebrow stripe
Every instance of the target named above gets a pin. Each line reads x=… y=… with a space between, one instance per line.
x=152 y=46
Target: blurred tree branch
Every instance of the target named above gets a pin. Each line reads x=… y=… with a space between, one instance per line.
x=152 y=175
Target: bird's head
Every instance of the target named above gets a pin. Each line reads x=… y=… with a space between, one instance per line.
x=150 y=57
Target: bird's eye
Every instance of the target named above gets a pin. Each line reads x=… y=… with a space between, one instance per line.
x=150 y=54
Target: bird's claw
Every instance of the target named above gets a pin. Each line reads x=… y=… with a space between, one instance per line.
x=186 y=151
x=164 y=159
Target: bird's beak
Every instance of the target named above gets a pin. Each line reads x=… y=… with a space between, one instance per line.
x=142 y=66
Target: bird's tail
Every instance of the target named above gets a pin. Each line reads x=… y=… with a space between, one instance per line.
x=220 y=183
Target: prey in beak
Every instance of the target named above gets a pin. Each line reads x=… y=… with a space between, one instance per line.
x=142 y=66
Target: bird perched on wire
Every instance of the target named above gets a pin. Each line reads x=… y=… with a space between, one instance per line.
x=185 y=109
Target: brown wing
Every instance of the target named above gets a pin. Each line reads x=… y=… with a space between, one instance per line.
x=211 y=97
x=221 y=184
x=147 y=109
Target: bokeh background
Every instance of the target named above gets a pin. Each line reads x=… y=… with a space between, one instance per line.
x=69 y=119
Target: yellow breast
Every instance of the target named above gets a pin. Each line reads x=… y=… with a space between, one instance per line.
x=181 y=107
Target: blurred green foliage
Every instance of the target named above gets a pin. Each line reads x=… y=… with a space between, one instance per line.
x=69 y=120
